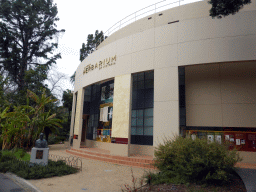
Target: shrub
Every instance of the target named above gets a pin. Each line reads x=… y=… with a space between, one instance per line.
x=9 y=162
x=184 y=160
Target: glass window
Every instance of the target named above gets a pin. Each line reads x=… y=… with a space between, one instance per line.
x=142 y=108
x=135 y=77
x=149 y=75
x=140 y=113
x=134 y=120
x=140 y=84
x=148 y=121
x=135 y=85
x=140 y=121
x=148 y=112
x=148 y=130
x=140 y=76
x=139 y=131
x=149 y=84
x=134 y=113
x=133 y=131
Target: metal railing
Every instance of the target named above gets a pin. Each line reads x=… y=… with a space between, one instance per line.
x=138 y=15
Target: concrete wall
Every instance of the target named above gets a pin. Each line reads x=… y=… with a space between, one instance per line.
x=221 y=95
x=156 y=45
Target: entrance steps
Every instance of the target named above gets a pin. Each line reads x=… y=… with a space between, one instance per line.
x=140 y=161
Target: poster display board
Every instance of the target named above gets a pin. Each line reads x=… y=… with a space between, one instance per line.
x=242 y=141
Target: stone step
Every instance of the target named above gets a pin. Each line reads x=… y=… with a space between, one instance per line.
x=111 y=159
x=132 y=159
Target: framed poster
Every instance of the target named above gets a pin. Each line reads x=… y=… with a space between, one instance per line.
x=242 y=141
x=210 y=138
x=193 y=136
x=218 y=139
x=238 y=142
x=227 y=137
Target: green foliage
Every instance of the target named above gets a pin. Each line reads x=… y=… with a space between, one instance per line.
x=25 y=123
x=184 y=160
x=27 y=29
x=18 y=153
x=53 y=139
x=67 y=99
x=72 y=78
x=226 y=7
x=92 y=42
x=8 y=162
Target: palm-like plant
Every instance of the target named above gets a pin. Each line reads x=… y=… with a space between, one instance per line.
x=47 y=120
x=27 y=122
x=39 y=118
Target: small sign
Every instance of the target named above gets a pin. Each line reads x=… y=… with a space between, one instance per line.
x=232 y=140
x=226 y=137
x=39 y=154
x=218 y=139
x=193 y=136
x=242 y=141
x=238 y=142
x=210 y=138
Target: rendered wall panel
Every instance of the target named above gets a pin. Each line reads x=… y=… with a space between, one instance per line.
x=203 y=115
x=166 y=56
x=166 y=120
x=238 y=83
x=124 y=65
x=203 y=84
x=166 y=34
x=204 y=28
x=124 y=46
x=121 y=106
x=193 y=52
x=79 y=111
x=239 y=48
x=166 y=84
x=221 y=94
x=143 y=40
x=239 y=115
x=143 y=60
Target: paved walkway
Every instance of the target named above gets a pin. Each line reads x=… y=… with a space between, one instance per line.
x=97 y=176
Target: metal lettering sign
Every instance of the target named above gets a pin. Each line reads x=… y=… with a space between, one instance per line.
x=102 y=64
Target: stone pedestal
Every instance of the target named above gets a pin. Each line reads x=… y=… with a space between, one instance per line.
x=39 y=155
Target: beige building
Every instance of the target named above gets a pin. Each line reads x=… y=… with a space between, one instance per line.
x=174 y=72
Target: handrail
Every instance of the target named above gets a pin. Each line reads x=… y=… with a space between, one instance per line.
x=110 y=30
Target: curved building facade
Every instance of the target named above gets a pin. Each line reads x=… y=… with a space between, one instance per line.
x=175 y=72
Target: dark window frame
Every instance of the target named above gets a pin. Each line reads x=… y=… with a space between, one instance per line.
x=142 y=99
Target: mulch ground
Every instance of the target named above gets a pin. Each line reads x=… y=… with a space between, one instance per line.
x=234 y=185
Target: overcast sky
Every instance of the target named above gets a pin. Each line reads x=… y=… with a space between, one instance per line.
x=82 y=17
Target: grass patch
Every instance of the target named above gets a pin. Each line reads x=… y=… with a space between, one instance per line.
x=18 y=153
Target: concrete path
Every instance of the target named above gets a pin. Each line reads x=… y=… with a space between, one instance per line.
x=249 y=178
x=97 y=176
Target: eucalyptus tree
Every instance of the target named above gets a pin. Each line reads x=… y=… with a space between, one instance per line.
x=28 y=37
x=224 y=8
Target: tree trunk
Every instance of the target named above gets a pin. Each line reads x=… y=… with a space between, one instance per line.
x=47 y=132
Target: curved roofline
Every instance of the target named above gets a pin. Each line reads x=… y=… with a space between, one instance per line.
x=136 y=17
